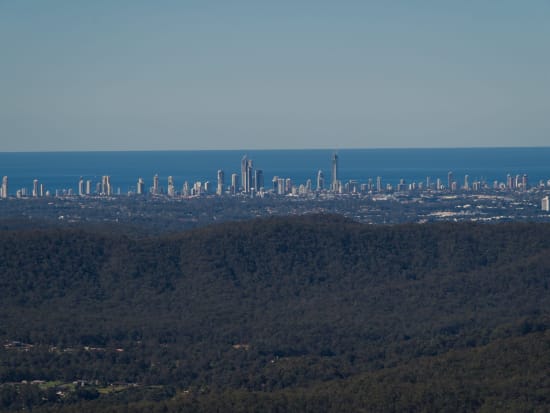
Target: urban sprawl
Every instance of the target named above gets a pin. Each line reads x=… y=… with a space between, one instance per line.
x=245 y=195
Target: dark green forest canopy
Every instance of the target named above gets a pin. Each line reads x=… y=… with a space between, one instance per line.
x=294 y=312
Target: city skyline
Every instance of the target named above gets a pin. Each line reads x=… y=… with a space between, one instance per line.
x=185 y=76
x=252 y=184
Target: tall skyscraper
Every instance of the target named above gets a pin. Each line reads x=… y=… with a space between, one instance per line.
x=5 y=187
x=197 y=188
x=234 y=183
x=219 y=188
x=281 y=188
x=466 y=183
x=288 y=185
x=171 y=188
x=509 y=181
x=258 y=180
x=275 y=184
x=244 y=174
x=156 y=184
x=249 y=175
x=450 y=181
x=524 y=183
x=140 y=189
x=545 y=205
x=81 y=191
x=378 y=184
x=88 y=187
x=334 y=173
x=320 y=180
x=35 y=188
x=106 y=188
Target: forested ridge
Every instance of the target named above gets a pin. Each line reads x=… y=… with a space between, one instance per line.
x=312 y=313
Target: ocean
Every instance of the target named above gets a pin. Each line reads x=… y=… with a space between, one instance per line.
x=59 y=171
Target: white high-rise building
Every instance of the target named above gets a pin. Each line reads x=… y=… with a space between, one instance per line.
x=156 y=185
x=219 y=187
x=5 y=187
x=35 y=188
x=171 y=188
x=320 y=180
x=247 y=175
x=545 y=204
x=140 y=190
x=106 y=188
x=81 y=191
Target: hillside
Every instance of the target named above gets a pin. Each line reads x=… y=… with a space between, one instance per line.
x=295 y=314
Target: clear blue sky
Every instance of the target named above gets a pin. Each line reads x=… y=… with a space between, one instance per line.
x=133 y=75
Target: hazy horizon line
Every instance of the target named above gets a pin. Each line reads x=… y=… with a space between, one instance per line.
x=281 y=149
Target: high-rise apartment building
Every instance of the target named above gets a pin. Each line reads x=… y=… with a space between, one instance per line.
x=140 y=188
x=275 y=184
x=247 y=175
x=244 y=173
x=320 y=180
x=234 y=183
x=171 y=188
x=450 y=180
x=106 y=188
x=545 y=205
x=219 y=187
x=156 y=189
x=35 y=188
x=5 y=187
x=258 y=180
x=81 y=191
x=281 y=188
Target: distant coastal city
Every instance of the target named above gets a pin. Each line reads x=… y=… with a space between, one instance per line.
x=251 y=183
x=166 y=204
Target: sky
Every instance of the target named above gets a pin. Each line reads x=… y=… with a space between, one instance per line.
x=185 y=75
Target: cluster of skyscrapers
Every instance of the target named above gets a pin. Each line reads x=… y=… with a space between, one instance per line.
x=251 y=183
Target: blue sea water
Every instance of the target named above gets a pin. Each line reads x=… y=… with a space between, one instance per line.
x=62 y=170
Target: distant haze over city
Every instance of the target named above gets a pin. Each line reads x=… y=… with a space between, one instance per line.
x=104 y=76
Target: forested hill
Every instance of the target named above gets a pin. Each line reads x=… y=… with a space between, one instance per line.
x=312 y=313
